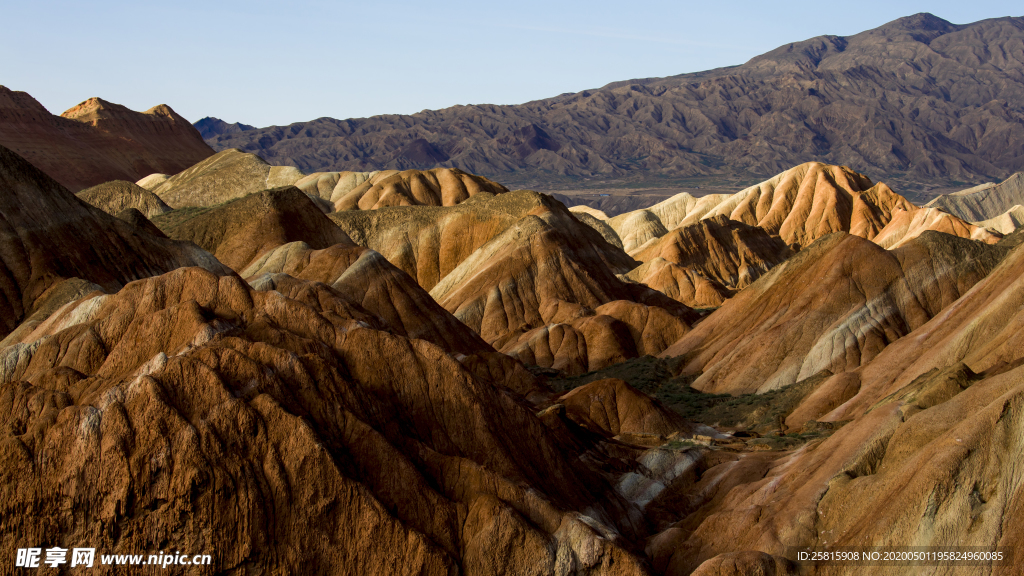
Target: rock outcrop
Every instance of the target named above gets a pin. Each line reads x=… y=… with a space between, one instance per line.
x=724 y=253
x=684 y=285
x=287 y=429
x=239 y=231
x=48 y=237
x=97 y=141
x=117 y=196
x=614 y=408
x=983 y=202
x=371 y=190
x=523 y=272
x=831 y=308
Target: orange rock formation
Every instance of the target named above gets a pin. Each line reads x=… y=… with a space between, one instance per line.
x=97 y=141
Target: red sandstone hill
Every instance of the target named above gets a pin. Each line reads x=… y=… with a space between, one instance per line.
x=350 y=396
x=527 y=276
x=799 y=205
x=922 y=453
x=832 y=307
x=98 y=141
x=279 y=424
x=51 y=240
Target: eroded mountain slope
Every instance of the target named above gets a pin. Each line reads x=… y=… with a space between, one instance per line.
x=525 y=274
x=48 y=236
x=240 y=230
x=726 y=254
x=98 y=141
x=928 y=431
x=195 y=413
x=832 y=307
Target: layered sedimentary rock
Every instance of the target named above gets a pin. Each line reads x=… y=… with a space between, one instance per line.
x=119 y=195
x=832 y=307
x=232 y=174
x=290 y=430
x=575 y=339
x=527 y=276
x=371 y=190
x=985 y=201
x=924 y=455
x=239 y=231
x=222 y=177
x=48 y=237
x=1006 y=222
x=98 y=141
x=725 y=253
x=685 y=285
x=907 y=225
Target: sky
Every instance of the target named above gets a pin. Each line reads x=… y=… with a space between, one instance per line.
x=273 y=63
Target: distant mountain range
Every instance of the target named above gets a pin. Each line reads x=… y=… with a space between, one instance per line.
x=916 y=100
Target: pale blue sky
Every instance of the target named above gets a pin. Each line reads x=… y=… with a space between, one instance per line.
x=263 y=62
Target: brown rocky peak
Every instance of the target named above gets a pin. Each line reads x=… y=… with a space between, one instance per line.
x=728 y=252
x=163 y=110
x=11 y=101
x=51 y=236
x=98 y=141
x=93 y=109
x=837 y=304
x=239 y=231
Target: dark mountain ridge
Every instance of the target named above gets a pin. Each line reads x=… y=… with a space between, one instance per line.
x=916 y=100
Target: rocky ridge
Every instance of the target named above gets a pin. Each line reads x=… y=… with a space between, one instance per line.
x=98 y=141
x=472 y=388
x=525 y=274
x=983 y=202
x=918 y=98
x=42 y=227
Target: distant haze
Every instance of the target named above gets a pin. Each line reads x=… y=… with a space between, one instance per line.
x=266 y=63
